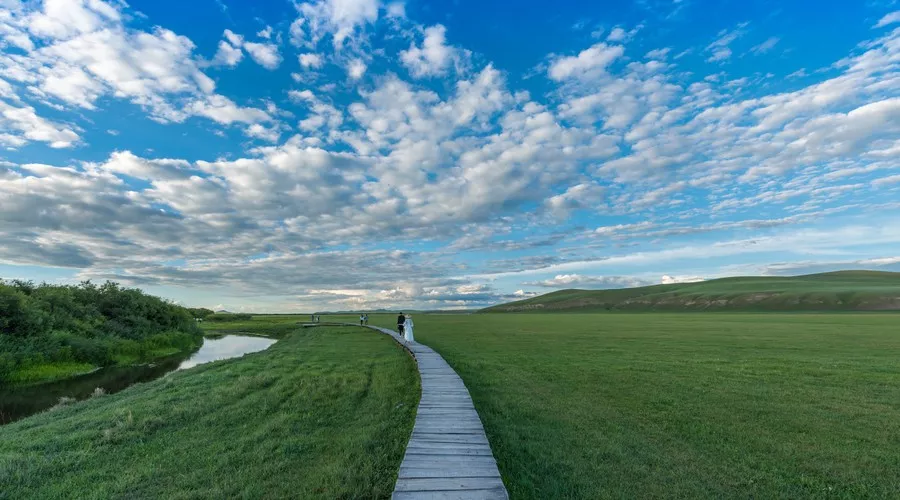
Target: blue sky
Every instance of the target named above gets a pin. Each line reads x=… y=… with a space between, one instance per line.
x=357 y=154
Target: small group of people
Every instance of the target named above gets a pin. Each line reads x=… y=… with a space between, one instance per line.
x=314 y=318
x=363 y=319
x=405 y=326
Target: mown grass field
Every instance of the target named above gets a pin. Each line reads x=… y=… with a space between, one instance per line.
x=682 y=405
x=324 y=413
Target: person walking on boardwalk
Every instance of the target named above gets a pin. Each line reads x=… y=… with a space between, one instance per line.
x=400 y=320
x=408 y=329
x=366 y=318
x=362 y=319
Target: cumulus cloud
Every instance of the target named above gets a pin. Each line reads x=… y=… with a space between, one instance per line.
x=22 y=124
x=265 y=54
x=433 y=57
x=628 y=163
x=85 y=52
x=310 y=60
x=356 y=69
x=595 y=58
x=227 y=55
x=339 y=19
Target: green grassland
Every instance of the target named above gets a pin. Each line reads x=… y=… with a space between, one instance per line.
x=323 y=413
x=838 y=291
x=682 y=405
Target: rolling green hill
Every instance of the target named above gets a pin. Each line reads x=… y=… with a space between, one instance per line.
x=837 y=291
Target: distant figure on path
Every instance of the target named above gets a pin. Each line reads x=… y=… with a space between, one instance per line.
x=312 y=318
x=362 y=319
x=400 y=320
x=366 y=319
x=408 y=329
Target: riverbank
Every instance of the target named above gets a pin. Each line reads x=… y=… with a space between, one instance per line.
x=52 y=332
x=323 y=413
x=134 y=353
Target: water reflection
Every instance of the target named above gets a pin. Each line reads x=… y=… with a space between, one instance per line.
x=227 y=347
x=20 y=402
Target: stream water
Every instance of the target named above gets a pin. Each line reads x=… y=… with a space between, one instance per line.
x=20 y=402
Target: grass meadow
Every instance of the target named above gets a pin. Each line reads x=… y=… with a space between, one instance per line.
x=323 y=413
x=682 y=405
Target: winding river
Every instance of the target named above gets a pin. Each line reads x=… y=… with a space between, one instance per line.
x=20 y=402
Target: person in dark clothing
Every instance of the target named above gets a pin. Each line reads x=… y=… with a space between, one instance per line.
x=400 y=320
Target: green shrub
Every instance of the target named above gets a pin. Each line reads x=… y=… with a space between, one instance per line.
x=85 y=323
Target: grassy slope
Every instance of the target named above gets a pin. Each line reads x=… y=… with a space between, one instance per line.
x=845 y=290
x=325 y=413
x=683 y=405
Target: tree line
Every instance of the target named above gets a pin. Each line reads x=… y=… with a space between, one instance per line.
x=87 y=323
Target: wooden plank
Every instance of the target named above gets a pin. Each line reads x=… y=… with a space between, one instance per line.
x=447 y=459
x=492 y=494
x=448 y=455
x=465 y=471
x=449 y=483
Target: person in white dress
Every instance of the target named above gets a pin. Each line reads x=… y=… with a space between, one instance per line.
x=408 y=329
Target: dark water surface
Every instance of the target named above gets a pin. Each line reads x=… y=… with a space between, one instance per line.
x=20 y=402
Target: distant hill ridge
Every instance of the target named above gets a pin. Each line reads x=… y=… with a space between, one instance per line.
x=834 y=291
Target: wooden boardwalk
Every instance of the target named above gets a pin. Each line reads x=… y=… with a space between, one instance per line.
x=448 y=455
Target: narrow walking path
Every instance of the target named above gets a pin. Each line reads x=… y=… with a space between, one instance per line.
x=448 y=455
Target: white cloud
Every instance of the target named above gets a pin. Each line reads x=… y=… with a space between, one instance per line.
x=223 y=110
x=270 y=134
x=664 y=159
x=22 y=124
x=668 y=280
x=766 y=46
x=339 y=18
x=595 y=58
x=265 y=54
x=230 y=54
x=87 y=53
x=356 y=69
x=617 y=35
x=396 y=9
x=719 y=49
x=265 y=33
x=321 y=114
x=227 y=55
x=659 y=54
x=433 y=57
x=233 y=38
x=886 y=181
x=888 y=19
x=310 y=60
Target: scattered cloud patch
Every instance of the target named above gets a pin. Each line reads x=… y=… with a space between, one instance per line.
x=433 y=57
x=888 y=19
x=591 y=60
x=766 y=46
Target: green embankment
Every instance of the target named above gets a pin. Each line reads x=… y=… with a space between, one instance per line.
x=682 y=405
x=838 y=291
x=323 y=413
x=50 y=332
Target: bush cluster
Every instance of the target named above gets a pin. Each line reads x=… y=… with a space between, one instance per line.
x=86 y=323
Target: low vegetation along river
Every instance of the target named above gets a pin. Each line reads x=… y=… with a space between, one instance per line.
x=20 y=402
